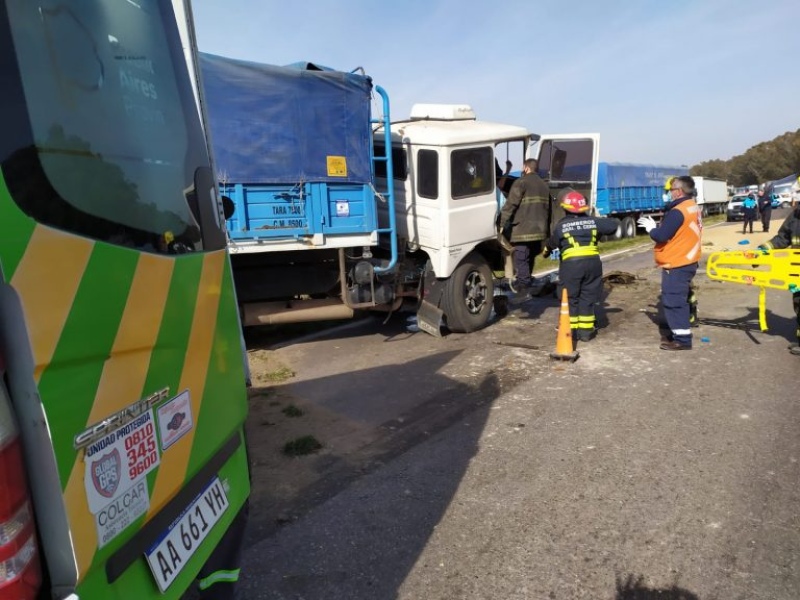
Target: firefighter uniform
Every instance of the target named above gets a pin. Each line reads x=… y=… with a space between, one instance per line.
x=580 y=271
x=789 y=237
x=524 y=219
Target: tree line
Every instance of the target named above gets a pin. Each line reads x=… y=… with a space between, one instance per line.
x=766 y=161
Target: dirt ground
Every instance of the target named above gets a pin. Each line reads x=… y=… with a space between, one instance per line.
x=285 y=486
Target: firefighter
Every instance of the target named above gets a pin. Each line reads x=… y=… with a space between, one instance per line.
x=574 y=242
x=789 y=237
x=524 y=221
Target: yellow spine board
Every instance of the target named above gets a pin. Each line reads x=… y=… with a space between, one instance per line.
x=778 y=269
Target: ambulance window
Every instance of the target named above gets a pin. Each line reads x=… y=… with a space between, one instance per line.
x=112 y=142
x=428 y=174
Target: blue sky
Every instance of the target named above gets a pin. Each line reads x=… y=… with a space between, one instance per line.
x=666 y=82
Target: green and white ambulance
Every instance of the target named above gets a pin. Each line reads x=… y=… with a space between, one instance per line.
x=123 y=464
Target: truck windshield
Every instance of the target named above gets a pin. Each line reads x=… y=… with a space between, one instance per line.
x=95 y=135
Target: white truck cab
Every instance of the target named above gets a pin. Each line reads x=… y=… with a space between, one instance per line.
x=445 y=165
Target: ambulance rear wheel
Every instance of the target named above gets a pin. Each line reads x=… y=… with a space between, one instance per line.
x=468 y=294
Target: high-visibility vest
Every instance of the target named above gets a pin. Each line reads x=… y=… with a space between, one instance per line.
x=684 y=247
x=576 y=250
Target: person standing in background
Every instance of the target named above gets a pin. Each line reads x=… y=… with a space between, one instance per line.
x=749 y=209
x=677 y=253
x=502 y=179
x=765 y=208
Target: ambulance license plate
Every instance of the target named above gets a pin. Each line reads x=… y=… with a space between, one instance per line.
x=180 y=541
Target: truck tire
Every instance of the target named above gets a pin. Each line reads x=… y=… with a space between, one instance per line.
x=628 y=227
x=618 y=234
x=467 y=298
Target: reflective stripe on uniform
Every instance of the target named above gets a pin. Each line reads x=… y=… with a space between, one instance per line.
x=576 y=250
x=582 y=322
x=695 y=250
x=579 y=251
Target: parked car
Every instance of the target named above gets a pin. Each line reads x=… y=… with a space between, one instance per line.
x=734 y=210
x=781 y=200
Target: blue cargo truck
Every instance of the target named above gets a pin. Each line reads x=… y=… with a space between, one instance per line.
x=293 y=152
x=627 y=191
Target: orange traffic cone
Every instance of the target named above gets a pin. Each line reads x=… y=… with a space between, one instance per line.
x=565 y=349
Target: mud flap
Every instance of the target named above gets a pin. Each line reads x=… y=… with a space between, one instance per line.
x=430 y=318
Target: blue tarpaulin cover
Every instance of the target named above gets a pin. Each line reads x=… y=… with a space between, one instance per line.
x=790 y=179
x=271 y=124
x=612 y=175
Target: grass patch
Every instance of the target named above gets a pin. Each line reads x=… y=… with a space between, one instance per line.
x=292 y=411
x=279 y=375
x=302 y=446
x=614 y=245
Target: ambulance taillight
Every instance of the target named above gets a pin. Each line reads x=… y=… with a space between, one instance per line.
x=20 y=575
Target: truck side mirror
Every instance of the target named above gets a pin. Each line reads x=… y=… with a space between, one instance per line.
x=228 y=207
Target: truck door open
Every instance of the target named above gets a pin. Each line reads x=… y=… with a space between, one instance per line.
x=568 y=160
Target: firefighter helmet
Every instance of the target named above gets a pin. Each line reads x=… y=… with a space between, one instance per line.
x=574 y=202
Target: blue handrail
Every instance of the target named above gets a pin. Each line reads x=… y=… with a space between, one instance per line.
x=389 y=194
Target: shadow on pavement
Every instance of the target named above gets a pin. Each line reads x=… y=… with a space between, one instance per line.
x=633 y=588
x=778 y=325
x=359 y=539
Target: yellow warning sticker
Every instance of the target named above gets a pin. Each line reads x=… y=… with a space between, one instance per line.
x=337 y=166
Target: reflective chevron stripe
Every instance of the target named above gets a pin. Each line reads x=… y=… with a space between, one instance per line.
x=109 y=325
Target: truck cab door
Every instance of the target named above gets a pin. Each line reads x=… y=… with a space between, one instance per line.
x=474 y=198
x=568 y=160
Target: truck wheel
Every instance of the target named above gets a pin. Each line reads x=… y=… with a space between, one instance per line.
x=628 y=227
x=467 y=299
x=618 y=234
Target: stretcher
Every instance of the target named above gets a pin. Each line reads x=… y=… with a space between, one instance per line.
x=776 y=269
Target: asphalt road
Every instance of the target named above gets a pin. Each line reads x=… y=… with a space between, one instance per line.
x=630 y=474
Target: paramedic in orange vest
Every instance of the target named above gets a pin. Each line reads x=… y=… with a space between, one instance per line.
x=677 y=253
